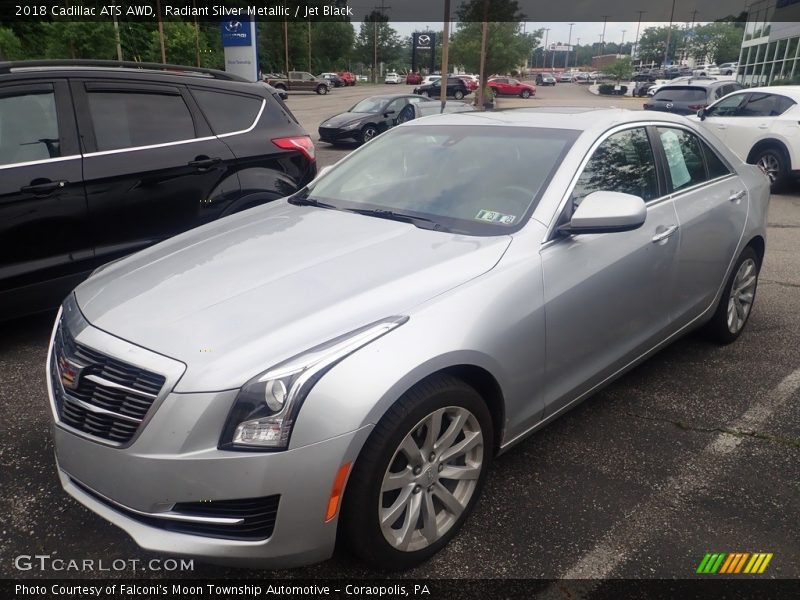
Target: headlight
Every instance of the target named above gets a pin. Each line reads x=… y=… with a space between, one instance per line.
x=352 y=125
x=266 y=408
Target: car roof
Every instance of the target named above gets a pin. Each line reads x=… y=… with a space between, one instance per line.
x=389 y=96
x=697 y=82
x=792 y=91
x=577 y=118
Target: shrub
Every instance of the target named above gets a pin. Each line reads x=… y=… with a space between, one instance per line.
x=607 y=89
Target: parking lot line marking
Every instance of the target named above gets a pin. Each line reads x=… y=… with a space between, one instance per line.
x=625 y=536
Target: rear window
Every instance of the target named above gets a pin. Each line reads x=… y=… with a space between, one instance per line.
x=227 y=113
x=681 y=94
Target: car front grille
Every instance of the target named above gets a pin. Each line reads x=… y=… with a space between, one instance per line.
x=99 y=395
x=257 y=516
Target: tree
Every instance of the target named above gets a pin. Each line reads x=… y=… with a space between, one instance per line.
x=653 y=43
x=332 y=45
x=622 y=68
x=390 y=48
x=10 y=46
x=80 y=39
x=507 y=46
x=719 y=41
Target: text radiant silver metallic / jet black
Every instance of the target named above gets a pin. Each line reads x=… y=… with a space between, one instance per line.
x=353 y=356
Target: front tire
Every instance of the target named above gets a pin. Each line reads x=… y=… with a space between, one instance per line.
x=322 y=90
x=736 y=303
x=368 y=133
x=419 y=475
x=458 y=95
x=525 y=94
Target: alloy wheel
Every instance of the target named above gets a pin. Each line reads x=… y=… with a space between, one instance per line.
x=770 y=165
x=742 y=293
x=431 y=478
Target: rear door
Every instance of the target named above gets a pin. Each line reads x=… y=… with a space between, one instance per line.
x=43 y=216
x=711 y=203
x=152 y=166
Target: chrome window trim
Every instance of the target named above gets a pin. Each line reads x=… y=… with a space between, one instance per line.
x=549 y=237
x=30 y=163
x=178 y=142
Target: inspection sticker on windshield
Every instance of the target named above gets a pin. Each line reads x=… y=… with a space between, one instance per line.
x=495 y=217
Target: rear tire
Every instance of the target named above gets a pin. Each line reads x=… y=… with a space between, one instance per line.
x=738 y=297
x=775 y=163
x=458 y=94
x=423 y=468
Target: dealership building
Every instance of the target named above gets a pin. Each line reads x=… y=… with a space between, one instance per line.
x=771 y=43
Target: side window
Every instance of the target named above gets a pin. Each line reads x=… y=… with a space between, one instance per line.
x=784 y=104
x=622 y=163
x=227 y=113
x=728 y=107
x=761 y=105
x=684 y=157
x=127 y=120
x=28 y=128
x=716 y=168
x=396 y=106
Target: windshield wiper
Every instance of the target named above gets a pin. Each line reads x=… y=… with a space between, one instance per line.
x=382 y=213
x=303 y=200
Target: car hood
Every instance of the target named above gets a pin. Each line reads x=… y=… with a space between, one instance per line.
x=344 y=119
x=237 y=296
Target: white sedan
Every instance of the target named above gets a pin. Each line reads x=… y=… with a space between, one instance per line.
x=762 y=126
x=392 y=78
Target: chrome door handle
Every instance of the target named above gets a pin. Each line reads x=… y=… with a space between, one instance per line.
x=736 y=196
x=660 y=237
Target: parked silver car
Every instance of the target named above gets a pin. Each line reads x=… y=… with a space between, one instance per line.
x=351 y=358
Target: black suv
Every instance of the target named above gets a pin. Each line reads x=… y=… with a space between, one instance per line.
x=99 y=159
x=456 y=88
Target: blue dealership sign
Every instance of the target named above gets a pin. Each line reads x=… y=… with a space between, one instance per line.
x=236 y=33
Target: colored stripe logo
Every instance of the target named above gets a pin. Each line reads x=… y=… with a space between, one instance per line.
x=733 y=563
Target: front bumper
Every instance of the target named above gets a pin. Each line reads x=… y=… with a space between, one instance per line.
x=131 y=487
x=331 y=134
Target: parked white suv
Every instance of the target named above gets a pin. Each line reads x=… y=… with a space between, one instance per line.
x=762 y=126
x=392 y=78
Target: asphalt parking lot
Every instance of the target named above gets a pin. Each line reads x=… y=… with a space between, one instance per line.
x=695 y=451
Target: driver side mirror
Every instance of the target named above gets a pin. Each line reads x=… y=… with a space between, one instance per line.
x=607 y=212
x=702 y=114
x=389 y=112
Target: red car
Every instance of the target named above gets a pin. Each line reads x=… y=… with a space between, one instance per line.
x=472 y=83
x=348 y=78
x=413 y=78
x=506 y=86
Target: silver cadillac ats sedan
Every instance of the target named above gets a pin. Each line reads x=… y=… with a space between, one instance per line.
x=349 y=360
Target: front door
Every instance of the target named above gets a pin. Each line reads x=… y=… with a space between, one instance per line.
x=44 y=242
x=607 y=294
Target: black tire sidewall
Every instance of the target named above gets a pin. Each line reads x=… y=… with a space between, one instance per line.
x=717 y=327
x=359 y=524
x=782 y=159
x=364 y=140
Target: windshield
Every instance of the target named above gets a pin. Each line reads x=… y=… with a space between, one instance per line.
x=368 y=105
x=681 y=94
x=477 y=180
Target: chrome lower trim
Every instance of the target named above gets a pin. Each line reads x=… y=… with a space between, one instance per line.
x=100 y=411
x=169 y=515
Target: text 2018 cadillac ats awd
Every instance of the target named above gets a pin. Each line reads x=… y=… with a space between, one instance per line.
x=349 y=359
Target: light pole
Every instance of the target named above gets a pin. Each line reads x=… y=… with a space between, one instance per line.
x=603 y=36
x=569 y=47
x=622 y=43
x=669 y=34
x=544 y=48
x=636 y=43
x=577 y=45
